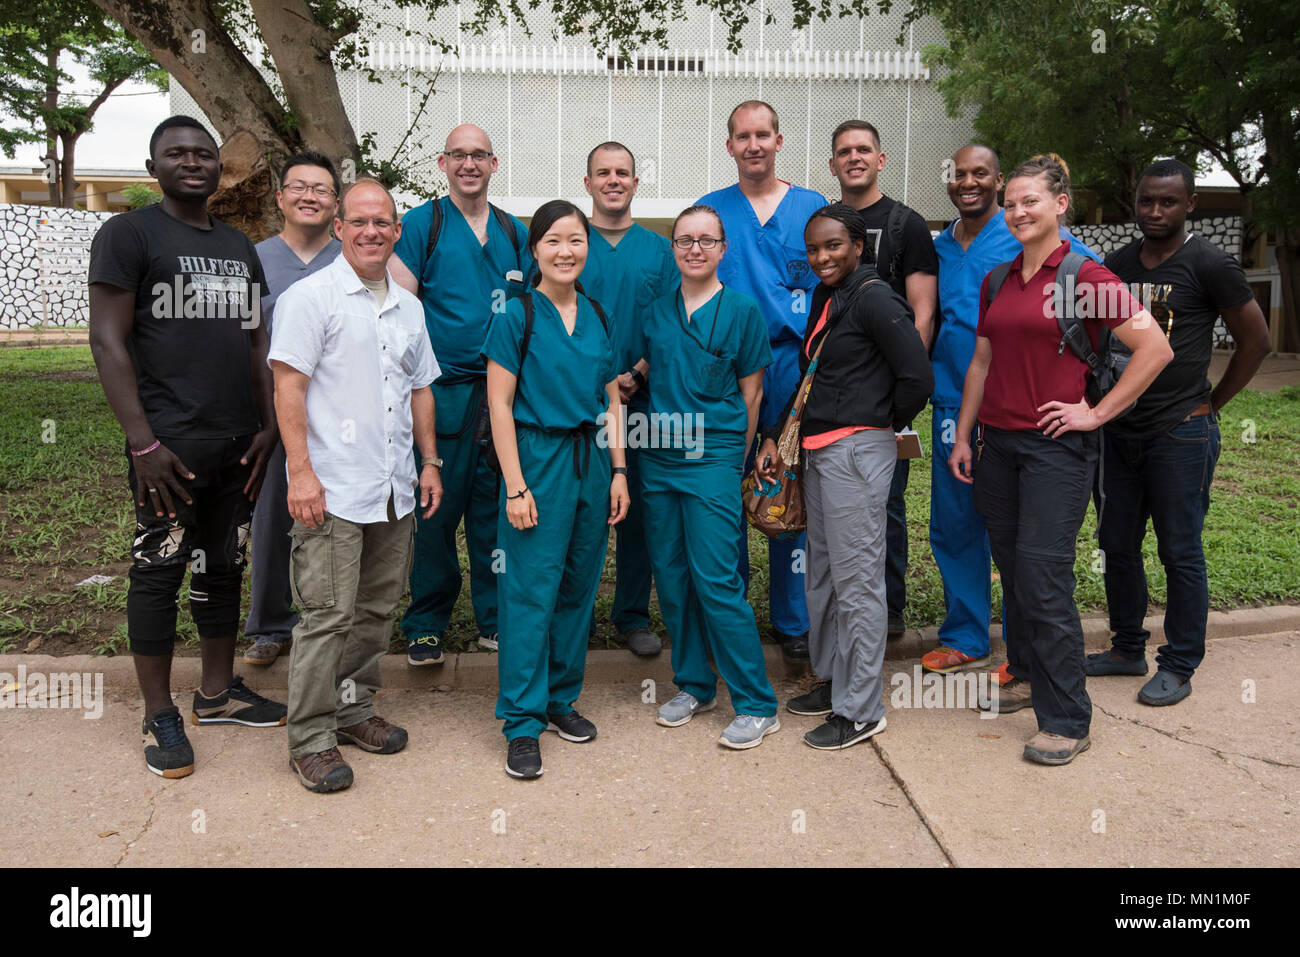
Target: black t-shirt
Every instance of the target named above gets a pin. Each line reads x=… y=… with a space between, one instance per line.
x=918 y=247
x=1186 y=294
x=197 y=298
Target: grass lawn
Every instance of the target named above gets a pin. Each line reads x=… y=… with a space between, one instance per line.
x=65 y=515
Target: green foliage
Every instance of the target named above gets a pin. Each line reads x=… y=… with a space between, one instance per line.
x=139 y=195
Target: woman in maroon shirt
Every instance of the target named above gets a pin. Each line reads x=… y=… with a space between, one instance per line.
x=1036 y=448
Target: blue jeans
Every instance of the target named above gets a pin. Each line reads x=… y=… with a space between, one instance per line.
x=1166 y=478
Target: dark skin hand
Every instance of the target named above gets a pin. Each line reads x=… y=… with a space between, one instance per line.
x=1249 y=333
x=263 y=444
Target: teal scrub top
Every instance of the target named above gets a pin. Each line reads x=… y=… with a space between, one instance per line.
x=463 y=282
x=625 y=279
x=562 y=385
x=695 y=366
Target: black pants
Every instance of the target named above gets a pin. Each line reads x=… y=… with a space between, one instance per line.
x=211 y=534
x=1033 y=492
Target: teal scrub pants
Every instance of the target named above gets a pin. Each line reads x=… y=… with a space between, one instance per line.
x=632 y=588
x=695 y=509
x=550 y=578
x=469 y=490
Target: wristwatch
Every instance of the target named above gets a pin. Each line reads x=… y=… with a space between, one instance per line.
x=638 y=377
x=436 y=463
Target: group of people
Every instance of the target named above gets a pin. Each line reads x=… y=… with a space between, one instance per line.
x=407 y=374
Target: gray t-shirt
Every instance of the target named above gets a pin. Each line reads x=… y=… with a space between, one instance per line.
x=283 y=268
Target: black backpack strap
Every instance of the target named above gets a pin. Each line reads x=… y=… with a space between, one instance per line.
x=997 y=276
x=435 y=229
x=507 y=224
x=1070 y=320
x=600 y=313
x=894 y=227
x=526 y=300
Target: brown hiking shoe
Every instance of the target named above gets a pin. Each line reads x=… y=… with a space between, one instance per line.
x=1048 y=748
x=1004 y=699
x=375 y=735
x=324 y=771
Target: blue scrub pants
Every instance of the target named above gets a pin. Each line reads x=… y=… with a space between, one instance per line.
x=695 y=505
x=787 y=605
x=550 y=578
x=960 y=545
x=632 y=590
x=469 y=491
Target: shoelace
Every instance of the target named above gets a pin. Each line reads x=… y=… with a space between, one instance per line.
x=169 y=729
x=242 y=692
x=524 y=746
x=428 y=640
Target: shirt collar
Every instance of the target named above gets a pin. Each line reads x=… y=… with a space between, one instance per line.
x=1054 y=260
x=351 y=283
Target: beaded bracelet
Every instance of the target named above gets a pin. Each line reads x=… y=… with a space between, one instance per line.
x=146 y=451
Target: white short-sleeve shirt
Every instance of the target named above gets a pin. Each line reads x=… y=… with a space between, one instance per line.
x=363 y=363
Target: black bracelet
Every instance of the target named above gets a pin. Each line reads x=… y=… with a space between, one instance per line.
x=638 y=378
x=522 y=492
x=620 y=470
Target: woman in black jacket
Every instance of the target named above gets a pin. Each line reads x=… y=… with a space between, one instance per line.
x=871 y=376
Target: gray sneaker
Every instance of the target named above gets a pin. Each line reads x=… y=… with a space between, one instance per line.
x=642 y=641
x=682 y=708
x=748 y=731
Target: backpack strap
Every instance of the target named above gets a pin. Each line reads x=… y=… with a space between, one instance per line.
x=894 y=227
x=526 y=300
x=1070 y=321
x=997 y=276
x=507 y=224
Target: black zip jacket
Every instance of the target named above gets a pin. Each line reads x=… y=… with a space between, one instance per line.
x=873 y=369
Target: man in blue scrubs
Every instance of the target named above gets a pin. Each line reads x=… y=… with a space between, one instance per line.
x=308 y=198
x=764 y=218
x=628 y=268
x=474 y=267
x=968 y=249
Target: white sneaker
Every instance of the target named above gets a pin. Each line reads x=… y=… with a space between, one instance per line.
x=488 y=641
x=748 y=731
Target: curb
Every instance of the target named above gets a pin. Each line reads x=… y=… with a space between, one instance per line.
x=477 y=671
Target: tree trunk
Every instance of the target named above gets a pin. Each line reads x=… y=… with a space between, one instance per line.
x=68 y=170
x=51 y=104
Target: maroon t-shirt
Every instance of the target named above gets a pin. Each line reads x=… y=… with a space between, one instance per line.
x=1028 y=367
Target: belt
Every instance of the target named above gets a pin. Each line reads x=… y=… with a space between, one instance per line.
x=1203 y=409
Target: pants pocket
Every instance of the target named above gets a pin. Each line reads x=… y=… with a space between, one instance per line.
x=311 y=565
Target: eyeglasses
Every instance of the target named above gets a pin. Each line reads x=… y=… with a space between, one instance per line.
x=706 y=242
x=383 y=225
x=297 y=188
x=459 y=156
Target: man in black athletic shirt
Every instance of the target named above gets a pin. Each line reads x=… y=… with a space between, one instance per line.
x=176 y=334
x=1158 y=459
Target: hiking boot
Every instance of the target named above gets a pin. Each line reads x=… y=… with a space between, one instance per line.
x=425 y=650
x=1111 y=662
x=1048 y=748
x=264 y=651
x=682 y=708
x=488 y=642
x=944 y=660
x=641 y=641
x=524 y=758
x=793 y=647
x=238 y=704
x=1015 y=695
x=839 y=732
x=172 y=756
x=748 y=731
x=1164 y=688
x=814 y=703
x=374 y=735
x=322 y=772
x=571 y=727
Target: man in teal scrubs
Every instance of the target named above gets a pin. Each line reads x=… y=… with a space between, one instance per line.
x=474 y=267
x=628 y=268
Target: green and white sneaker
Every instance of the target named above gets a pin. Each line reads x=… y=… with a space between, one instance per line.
x=425 y=650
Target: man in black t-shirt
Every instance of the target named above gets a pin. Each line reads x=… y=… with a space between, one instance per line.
x=176 y=334
x=904 y=254
x=1158 y=459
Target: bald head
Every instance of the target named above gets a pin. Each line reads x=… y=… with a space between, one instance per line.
x=468 y=137
x=974 y=177
x=468 y=163
x=366 y=187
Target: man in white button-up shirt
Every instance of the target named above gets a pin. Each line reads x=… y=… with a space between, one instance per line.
x=353 y=366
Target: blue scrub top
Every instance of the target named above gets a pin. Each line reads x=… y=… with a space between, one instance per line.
x=961 y=273
x=695 y=366
x=625 y=279
x=463 y=282
x=563 y=382
x=769 y=262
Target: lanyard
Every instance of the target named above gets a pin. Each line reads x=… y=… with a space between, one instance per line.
x=686 y=323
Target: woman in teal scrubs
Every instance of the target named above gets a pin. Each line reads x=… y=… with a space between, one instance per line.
x=706 y=347
x=558 y=494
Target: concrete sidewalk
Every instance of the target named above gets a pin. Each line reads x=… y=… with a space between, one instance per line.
x=1211 y=781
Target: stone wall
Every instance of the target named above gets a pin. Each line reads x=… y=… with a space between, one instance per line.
x=1222 y=231
x=45 y=254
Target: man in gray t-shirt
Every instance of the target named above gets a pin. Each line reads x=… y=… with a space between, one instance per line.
x=308 y=197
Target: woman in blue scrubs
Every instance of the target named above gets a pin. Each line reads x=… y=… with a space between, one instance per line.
x=547 y=401
x=706 y=347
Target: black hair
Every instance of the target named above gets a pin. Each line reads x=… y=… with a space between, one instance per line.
x=612 y=146
x=310 y=158
x=547 y=215
x=1171 y=167
x=698 y=208
x=174 y=121
x=853 y=223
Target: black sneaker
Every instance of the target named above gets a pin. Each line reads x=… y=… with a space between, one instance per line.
x=793 y=647
x=1111 y=662
x=839 y=733
x=571 y=727
x=815 y=702
x=238 y=704
x=172 y=756
x=425 y=650
x=524 y=758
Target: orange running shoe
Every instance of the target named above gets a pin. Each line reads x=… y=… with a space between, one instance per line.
x=1003 y=674
x=944 y=660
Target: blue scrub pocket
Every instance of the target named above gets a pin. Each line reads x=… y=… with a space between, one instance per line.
x=716 y=375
